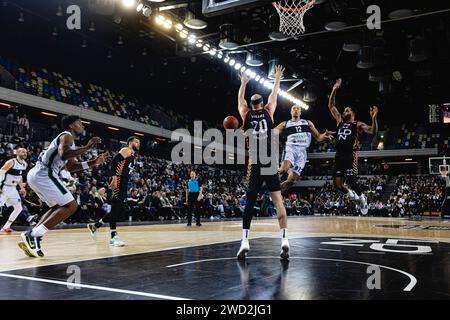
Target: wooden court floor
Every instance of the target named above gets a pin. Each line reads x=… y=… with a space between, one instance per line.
x=178 y=248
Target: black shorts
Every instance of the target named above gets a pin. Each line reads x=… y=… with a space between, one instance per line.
x=255 y=179
x=345 y=164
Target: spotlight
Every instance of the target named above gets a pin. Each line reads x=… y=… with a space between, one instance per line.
x=167 y=24
x=179 y=27
x=147 y=11
x=199 y=43
x=243 y=68
x=192 y=38
x=159 y=19
x=220 y=55
x=226 y=59
x=128 y=3
x=248 y=71
x=252 y=74
x=237 y=66
x=213 y=51
x=183 y=34
x=262 y=81
x=257 y=78
x=140 y=6
x=232 y=62
x=206 y=47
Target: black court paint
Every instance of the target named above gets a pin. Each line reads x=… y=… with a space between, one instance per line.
x=212 y=272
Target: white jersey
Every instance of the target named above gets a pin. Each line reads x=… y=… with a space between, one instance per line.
x=50 y=159
x=298 y=134
x=298 y=139
x=13 y=175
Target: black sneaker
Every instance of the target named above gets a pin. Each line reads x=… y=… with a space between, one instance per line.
x=189 y=224
x=198 y=224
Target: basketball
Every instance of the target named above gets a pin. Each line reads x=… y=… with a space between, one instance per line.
x=230 y=122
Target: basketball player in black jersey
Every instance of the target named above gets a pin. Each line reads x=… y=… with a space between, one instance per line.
x=121 y=168
x=259 y=118
x=346 y=160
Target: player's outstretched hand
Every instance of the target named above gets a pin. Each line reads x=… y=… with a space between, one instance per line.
x=279 y=70
x=103 y=158
x=244 y=78
x=329 y=135
x=374 y=112
x=93 y=142
x=338 y=83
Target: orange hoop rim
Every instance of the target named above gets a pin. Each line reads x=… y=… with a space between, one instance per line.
x=304 y=8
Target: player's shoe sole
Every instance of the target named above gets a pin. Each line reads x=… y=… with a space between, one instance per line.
x=24 y=248
x=284 y=254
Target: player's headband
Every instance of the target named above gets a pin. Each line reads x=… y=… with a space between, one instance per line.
x=256 y=101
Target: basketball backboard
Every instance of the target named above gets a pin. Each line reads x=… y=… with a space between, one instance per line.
x=438 y=164
x=218 y=7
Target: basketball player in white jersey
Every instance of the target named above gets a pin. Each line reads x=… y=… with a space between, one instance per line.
x=10 y=177
x=299 y=132
x=44 y=179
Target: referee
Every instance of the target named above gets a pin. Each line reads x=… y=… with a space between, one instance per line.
x=193 y=196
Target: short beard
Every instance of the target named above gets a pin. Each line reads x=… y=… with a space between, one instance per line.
x=347 y=117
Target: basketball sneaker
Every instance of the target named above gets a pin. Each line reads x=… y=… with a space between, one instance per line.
x=93 y=230
x=116 y=242
x=30 y=245
x=363 y=207
x=245 y=247
x=284 y=254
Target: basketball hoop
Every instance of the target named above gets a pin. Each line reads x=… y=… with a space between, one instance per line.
x=291 y=15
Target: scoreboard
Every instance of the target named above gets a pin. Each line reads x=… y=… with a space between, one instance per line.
x=439 y=113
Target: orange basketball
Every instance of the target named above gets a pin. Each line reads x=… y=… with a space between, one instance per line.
x=230 y=122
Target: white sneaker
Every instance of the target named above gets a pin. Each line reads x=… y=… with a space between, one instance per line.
x=245 y=247
x=284 y=254
x=116 y=242
x=363 y=204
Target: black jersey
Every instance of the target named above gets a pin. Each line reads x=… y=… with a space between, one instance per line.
x=347 y=136
x=121 y=168
x=262 y=124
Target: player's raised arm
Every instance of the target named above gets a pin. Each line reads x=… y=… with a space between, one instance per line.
x=327 y=135
x=332 y=101
x=272 y=102
x=279 y=128
x=242 y=104
x=372 y=129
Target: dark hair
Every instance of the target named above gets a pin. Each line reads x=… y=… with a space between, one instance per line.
x=131 y=139
x=66 y=121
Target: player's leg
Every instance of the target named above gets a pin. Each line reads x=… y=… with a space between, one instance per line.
x=17 y=205
x=116 y=209
x=298 y=161
x=273 y=184
x=253 y=185
x=62 y=205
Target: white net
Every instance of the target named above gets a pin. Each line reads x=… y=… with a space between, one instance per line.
x=291 y=15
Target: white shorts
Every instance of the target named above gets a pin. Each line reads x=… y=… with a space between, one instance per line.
x=48 y=187
x=297 y=157
x=9 y=196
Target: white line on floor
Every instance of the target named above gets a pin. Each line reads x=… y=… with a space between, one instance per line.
x=409 y=287
x=325 y=249
x=86 y=286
